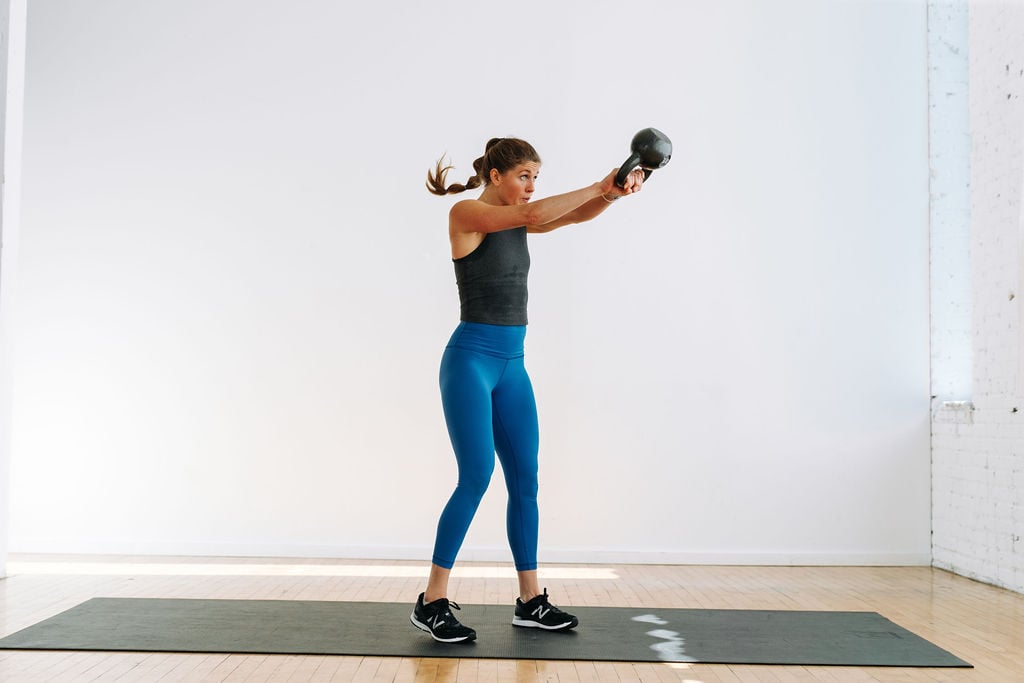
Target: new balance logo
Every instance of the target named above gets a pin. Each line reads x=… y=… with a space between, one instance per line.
x=540 y=612
x=438 y=621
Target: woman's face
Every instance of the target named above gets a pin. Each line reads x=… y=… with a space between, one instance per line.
x=516 y=186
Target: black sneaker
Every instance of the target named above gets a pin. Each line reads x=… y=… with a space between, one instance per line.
x=436 y=618
x=539 y=613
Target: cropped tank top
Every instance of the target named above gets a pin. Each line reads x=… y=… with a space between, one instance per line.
x=492 y=279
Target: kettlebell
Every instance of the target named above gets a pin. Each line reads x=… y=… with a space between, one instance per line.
x=651 y=150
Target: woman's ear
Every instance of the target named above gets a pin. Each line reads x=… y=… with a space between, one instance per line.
x=495 y=177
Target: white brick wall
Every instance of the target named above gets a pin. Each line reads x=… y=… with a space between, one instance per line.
x=949 y=152
x=978 y=454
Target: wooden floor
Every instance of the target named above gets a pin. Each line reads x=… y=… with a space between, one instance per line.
x=979 y=623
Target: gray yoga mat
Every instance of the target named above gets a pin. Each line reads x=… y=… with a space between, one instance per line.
x=383 y=629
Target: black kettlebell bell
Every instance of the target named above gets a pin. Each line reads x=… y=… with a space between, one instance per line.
x=651 y=150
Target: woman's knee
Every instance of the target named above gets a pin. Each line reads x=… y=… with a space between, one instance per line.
x=474 y=485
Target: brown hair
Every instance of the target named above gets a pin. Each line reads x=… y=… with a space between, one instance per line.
x=502 y=154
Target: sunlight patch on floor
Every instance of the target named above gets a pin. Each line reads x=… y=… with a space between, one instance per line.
x=94 y=568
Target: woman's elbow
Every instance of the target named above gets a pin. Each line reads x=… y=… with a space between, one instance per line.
x=534 y=216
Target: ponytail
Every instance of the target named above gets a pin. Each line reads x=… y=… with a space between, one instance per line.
x=502 y=154
x=436 y=179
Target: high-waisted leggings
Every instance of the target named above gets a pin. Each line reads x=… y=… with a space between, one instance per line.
x=489 y=407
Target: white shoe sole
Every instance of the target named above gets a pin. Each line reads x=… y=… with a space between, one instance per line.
x=529 y=623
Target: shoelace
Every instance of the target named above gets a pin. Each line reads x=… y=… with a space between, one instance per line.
x=545 y=604
x=542 y=599
x=446 y=612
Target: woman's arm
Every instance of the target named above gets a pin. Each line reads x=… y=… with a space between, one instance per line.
x=472 y=215
x=593 y=208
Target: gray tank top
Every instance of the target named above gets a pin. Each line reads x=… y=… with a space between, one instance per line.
x=492 y=279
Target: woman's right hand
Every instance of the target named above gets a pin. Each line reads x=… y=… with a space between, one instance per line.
x=634 y=181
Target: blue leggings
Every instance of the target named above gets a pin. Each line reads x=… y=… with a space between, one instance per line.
x=489 y=406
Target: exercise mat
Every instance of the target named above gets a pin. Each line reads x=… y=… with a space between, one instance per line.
x=638 y=634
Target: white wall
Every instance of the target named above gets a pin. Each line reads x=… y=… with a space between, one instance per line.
x=12 y=86
x=236 y=289
x=978 y=477
x=949 y=152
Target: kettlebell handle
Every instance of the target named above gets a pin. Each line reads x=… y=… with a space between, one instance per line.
x=627 y=168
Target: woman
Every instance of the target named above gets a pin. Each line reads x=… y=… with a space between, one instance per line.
x=486 y=394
